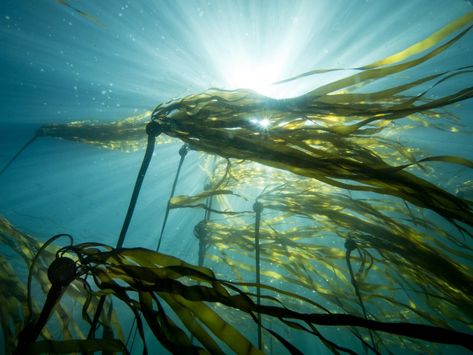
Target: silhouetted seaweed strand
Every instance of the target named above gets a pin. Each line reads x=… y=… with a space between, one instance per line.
x=182 y=153
x=18 y=153
x=350 y=245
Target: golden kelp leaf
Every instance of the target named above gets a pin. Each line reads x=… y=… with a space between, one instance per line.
x=188 y=318
x=163 y=327
x=224 y=331
x=404 y=54
x=425 y=43
x=181 y=201
x=12 y=304
x=199 y=200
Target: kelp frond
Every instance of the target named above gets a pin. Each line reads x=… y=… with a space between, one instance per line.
x=339 y=138
x=126 y=134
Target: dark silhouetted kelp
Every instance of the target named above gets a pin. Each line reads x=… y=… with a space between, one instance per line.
x=144 y=279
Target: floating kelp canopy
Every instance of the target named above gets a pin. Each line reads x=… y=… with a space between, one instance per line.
x=322 y=206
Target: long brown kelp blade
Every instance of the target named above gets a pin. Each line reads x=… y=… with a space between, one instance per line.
x=404 y=54
x=303 y=141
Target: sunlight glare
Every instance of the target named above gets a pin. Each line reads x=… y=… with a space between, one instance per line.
x=255 y=77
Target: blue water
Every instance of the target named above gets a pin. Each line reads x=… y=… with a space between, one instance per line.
x=121 y=58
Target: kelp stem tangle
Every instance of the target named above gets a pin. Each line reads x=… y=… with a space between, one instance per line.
x=258 y=208
x=350 y=245
x=61 y=273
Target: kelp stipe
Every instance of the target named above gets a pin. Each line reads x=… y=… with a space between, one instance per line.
x=258 y=209
x=152 y=130
x=61 y=273
x=182 y=152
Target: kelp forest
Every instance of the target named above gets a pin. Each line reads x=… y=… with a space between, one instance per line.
x=321 y=225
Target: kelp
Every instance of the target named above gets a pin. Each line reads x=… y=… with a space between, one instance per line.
x=218 y=129
x=414 y=49
x=125 y=134
x=301 y=227
x=12 y=304
x=80 y=12
x=346 y=226
x=144 y=279
x=198 y=200
x=415 y=261
x=335 y=137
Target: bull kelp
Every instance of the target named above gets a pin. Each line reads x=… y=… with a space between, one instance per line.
x=316 y=216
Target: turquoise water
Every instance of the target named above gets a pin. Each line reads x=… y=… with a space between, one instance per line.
x=85 y=60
